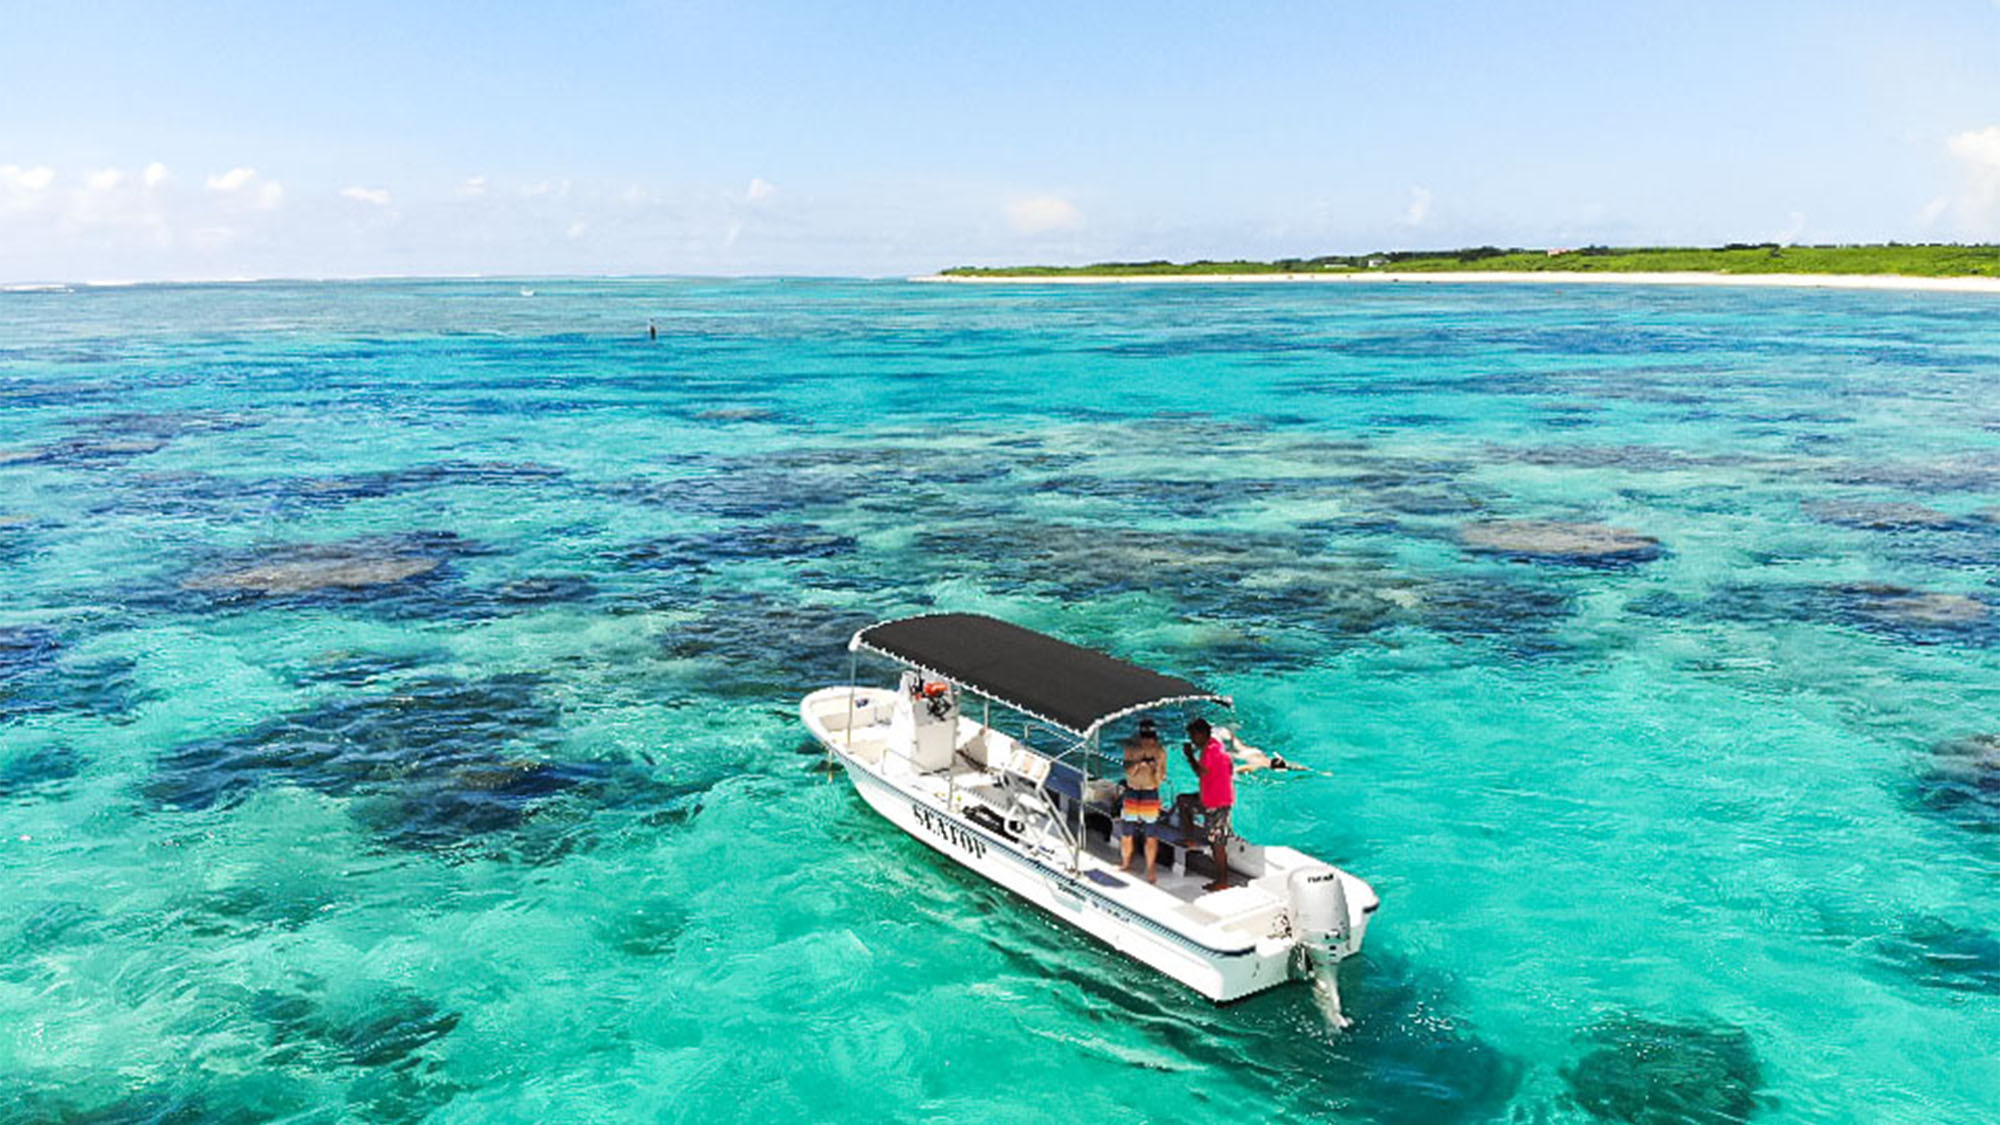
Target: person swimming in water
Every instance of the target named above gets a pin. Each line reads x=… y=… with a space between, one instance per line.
x=1249 y=759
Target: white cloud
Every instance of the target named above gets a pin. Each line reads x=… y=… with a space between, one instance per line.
x=22 y=189
x=377 y=196
x=246 y=184
x=155 y=174
x=108 y=208
x=577 y=229
x=473 y=186
x=1419 y=209
x=232 y=180
x=1042 y=214
x=16 y=178
x=1980 y=146
x=17 y=181
x=760 y=189
x=1977 y=152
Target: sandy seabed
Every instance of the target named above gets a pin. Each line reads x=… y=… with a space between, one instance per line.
x=1789 y=280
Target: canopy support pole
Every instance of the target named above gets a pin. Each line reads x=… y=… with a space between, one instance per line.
x=853 y=670
x=1082 y=799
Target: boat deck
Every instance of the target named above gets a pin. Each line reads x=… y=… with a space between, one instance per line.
x=980 y=786
x=1182 y=872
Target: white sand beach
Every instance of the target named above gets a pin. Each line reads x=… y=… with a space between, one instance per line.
x=1373 y=277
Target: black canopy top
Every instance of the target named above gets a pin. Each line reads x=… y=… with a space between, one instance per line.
x=1075 y=688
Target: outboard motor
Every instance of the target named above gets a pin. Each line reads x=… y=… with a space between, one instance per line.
x=1324 y=931
x=1319 y=911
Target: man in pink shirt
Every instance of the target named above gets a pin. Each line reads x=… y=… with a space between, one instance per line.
x=1217 y=771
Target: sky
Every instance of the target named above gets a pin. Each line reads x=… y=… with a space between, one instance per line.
x=299 y=139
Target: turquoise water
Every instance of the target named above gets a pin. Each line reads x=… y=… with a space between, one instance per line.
x=397 y=687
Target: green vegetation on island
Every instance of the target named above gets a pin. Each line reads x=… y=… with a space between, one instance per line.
x=1927 y=260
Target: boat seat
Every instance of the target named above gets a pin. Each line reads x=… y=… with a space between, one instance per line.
x=1246 y=860
x=837 y=716
x=1067 y=781
x=973 y=753
x=1167 y=830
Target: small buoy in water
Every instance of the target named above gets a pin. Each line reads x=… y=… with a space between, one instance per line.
x=652 y=331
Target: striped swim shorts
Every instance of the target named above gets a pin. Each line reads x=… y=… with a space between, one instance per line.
x=1141 y=806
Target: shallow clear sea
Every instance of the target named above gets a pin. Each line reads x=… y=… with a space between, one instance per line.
x=397 y=689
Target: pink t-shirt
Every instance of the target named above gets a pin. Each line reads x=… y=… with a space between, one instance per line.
x=1218 y=776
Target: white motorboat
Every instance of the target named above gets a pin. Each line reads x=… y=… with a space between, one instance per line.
x=1036 y=821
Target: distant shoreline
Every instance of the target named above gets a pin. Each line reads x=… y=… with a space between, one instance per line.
x=1482 y=277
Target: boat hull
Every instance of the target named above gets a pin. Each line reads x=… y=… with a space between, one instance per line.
x=1219 y=974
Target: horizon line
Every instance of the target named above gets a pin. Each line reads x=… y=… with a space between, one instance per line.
x=44 y=286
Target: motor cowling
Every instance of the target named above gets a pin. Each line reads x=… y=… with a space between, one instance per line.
x=1319 y=911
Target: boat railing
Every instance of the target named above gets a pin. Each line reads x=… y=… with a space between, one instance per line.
x=1071 y=763
x=1037 y=793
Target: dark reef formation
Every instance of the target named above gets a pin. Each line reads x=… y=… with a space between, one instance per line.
x=1938 y=954
x=1958 y=781
x=1654 y=1072
x=39 y=676
x=1553 y=541
x=1898 y=613
x=438 y=763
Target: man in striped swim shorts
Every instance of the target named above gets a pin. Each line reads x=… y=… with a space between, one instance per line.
x=1145 y=772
